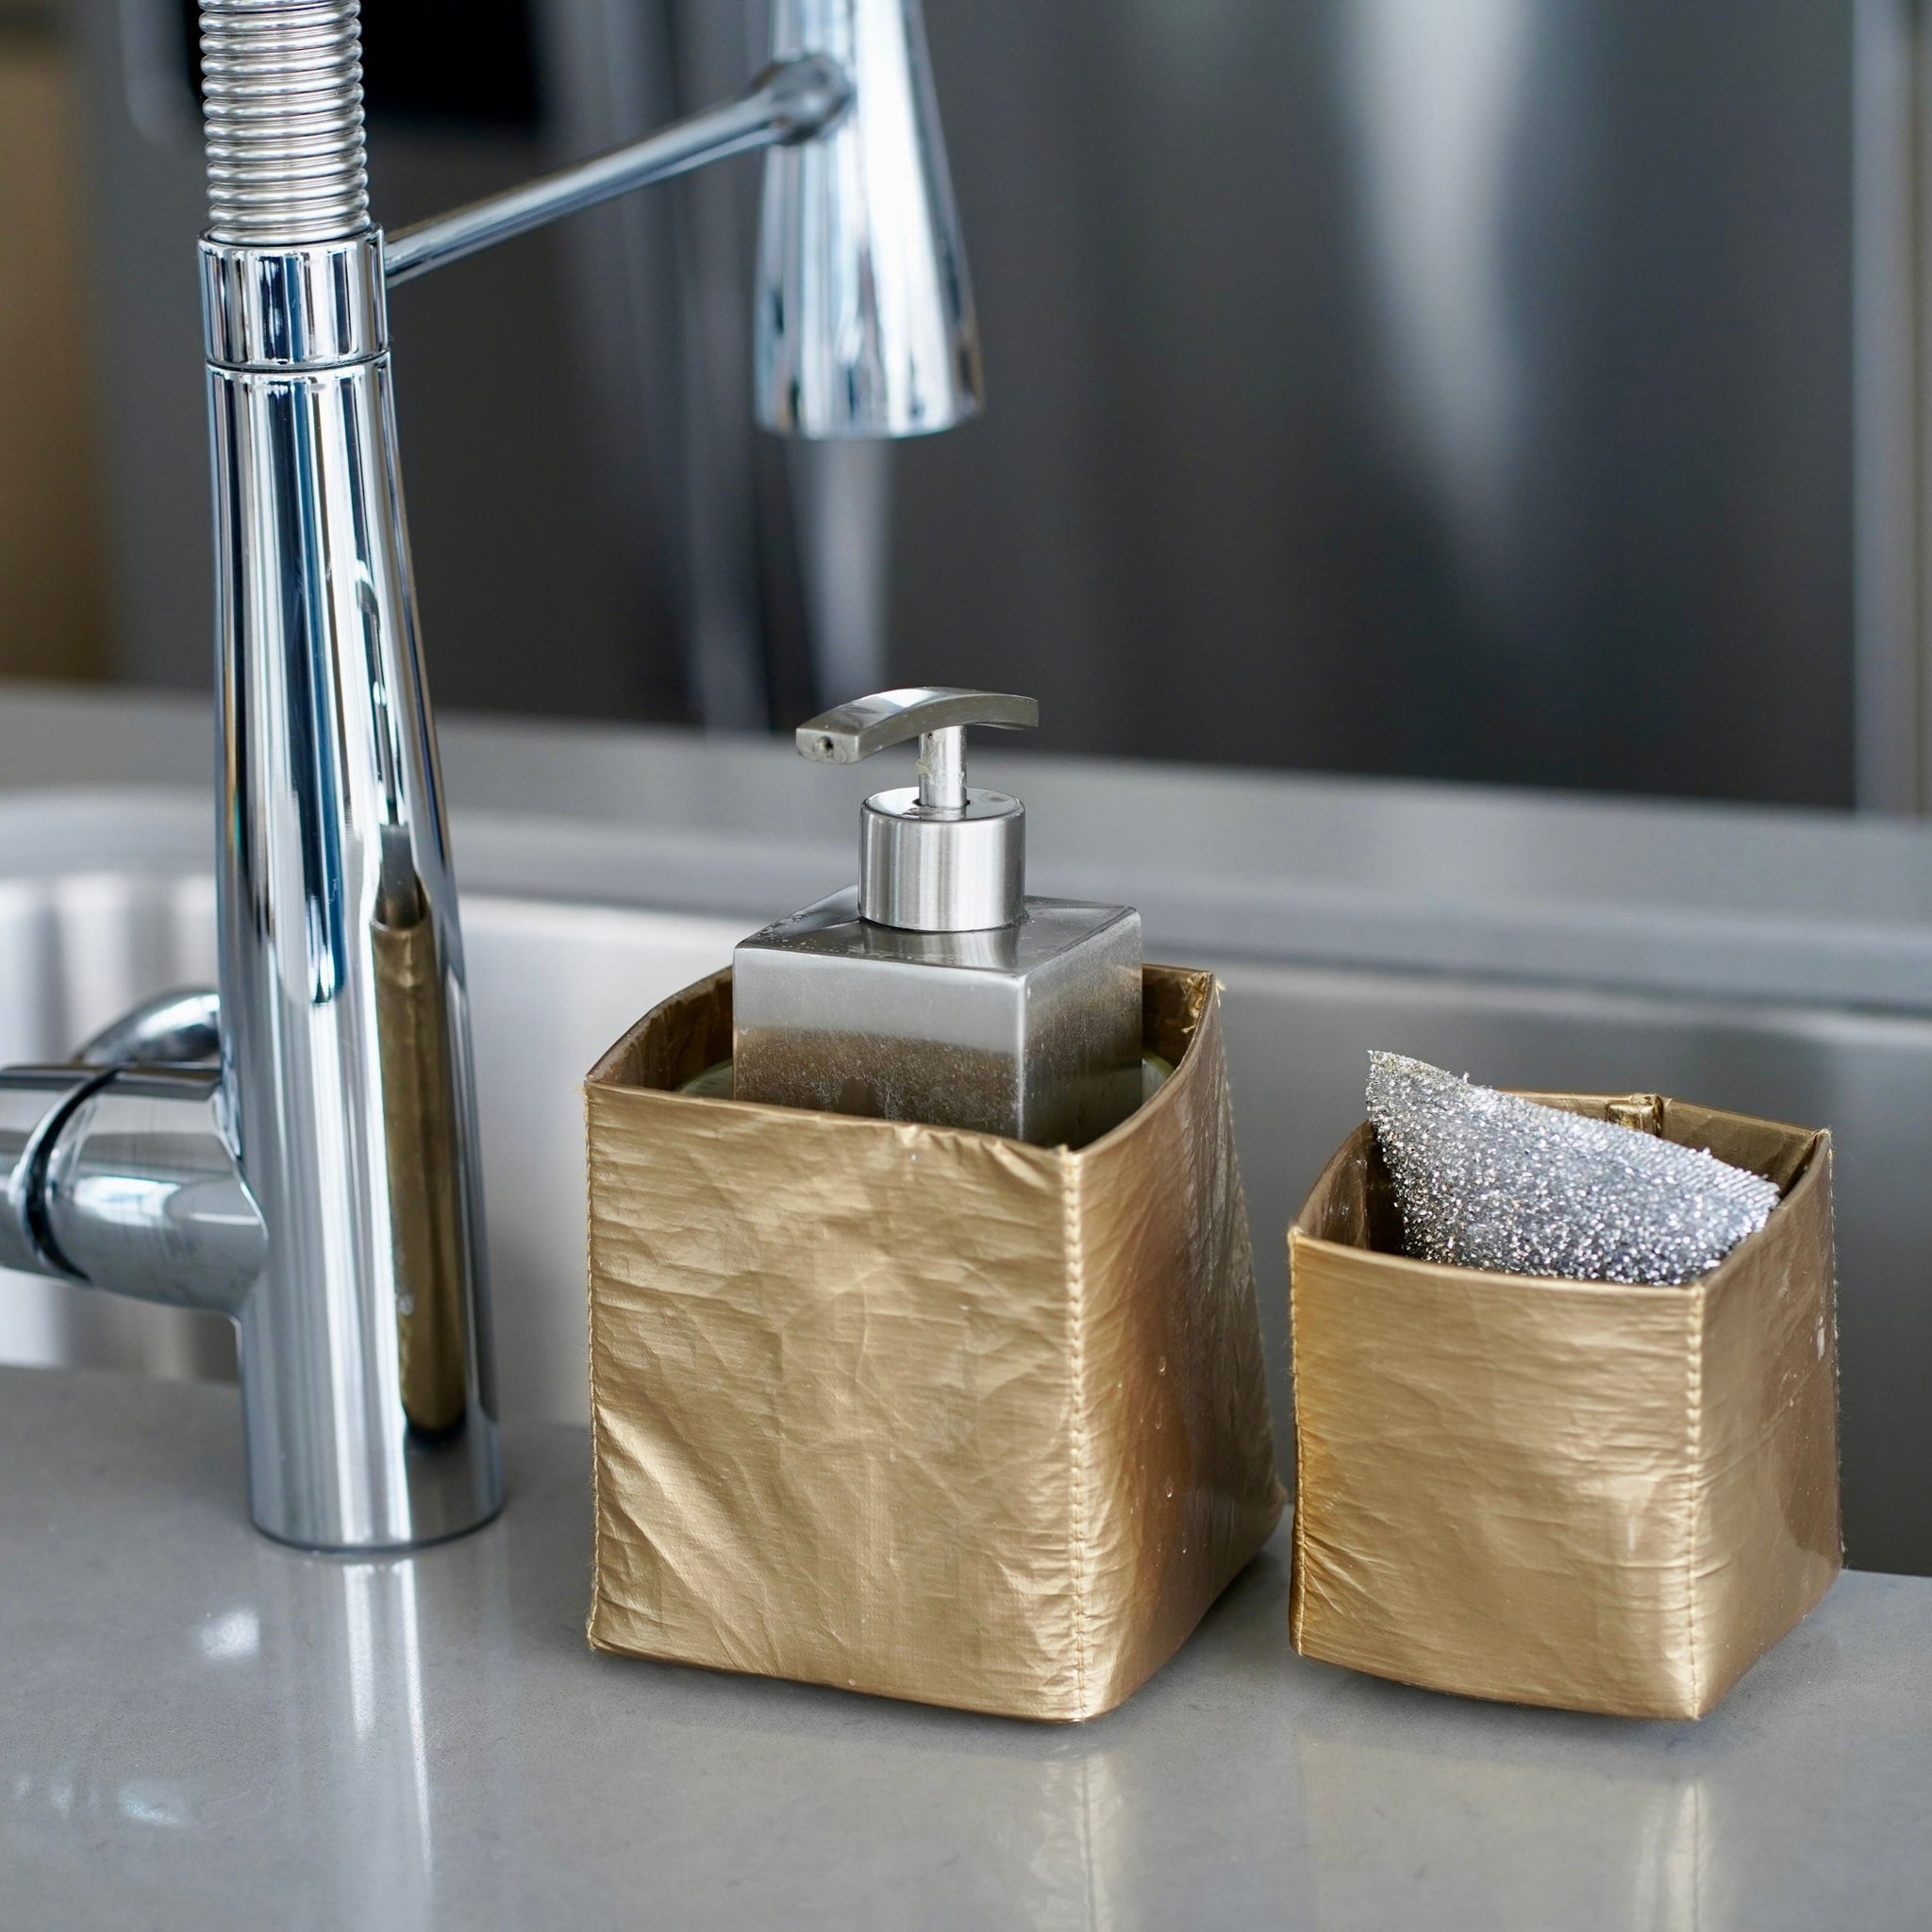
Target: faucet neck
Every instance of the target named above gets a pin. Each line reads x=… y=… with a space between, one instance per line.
x=315 y=305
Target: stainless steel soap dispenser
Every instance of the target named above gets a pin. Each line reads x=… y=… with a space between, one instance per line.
x=935 y=989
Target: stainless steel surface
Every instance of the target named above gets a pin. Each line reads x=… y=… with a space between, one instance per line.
x=936 y=991
x=941 y=869
x=652 y=296
x=942 y=769
x=1428 y=388
x=293 y=305
x=282 y=89
x=852 y=732
x=34 y=1102
x=330 y=841
x=792 y=101
x=942 y=858
x=142 y=1194
x=1494 y=239
x=1891 y=355
x=1727 y=904
x=863 y=314
x=1030 y=1029
x=124 y=1177
x=330 y=793
x=172 y=1028
x=1891 y=401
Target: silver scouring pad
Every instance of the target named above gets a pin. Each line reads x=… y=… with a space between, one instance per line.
x=1486 y=1180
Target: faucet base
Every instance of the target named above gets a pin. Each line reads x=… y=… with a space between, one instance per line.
x=364 y=1551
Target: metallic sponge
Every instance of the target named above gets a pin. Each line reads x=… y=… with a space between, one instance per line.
x=1486 y=1180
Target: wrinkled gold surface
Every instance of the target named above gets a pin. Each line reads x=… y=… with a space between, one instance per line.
x=1598 y=1496
x=928 y=1413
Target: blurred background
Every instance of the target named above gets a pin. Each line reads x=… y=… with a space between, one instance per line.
x=1522 y=391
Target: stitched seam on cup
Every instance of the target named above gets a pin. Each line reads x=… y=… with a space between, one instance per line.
x=1298 y=1575
x=1694 y=1394
x=590 y=1326
x=1076 y=1432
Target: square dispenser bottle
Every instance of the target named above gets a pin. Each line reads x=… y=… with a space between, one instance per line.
x=937 y=991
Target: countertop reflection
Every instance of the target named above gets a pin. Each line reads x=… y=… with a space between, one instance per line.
x=199 y=1728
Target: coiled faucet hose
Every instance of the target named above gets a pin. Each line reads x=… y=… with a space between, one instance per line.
x=281 y=84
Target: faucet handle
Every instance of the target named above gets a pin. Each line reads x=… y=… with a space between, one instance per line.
x=936 y=714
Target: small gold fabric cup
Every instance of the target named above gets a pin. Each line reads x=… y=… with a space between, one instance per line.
x=928 y=1413
x=1584 y=1495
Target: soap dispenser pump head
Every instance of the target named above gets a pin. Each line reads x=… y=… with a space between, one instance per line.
x=938 y=857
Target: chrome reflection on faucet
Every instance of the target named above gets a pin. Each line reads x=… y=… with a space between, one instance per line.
x=863 y=325
x=319 y=1183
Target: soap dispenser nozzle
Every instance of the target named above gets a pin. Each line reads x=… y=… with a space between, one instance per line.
x=938 y=856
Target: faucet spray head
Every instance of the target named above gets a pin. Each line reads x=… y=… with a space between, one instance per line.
x=864 y=322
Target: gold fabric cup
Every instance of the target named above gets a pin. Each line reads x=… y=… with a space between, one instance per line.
x=928 y=1413
x=1586 y=1494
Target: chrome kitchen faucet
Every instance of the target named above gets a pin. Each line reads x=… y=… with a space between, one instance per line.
x=301 y=1154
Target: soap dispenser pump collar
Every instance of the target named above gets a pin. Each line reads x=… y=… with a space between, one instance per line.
x=940 y=857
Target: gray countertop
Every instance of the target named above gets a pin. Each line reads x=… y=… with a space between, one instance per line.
x=1730 y=901
x=201 y=1729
